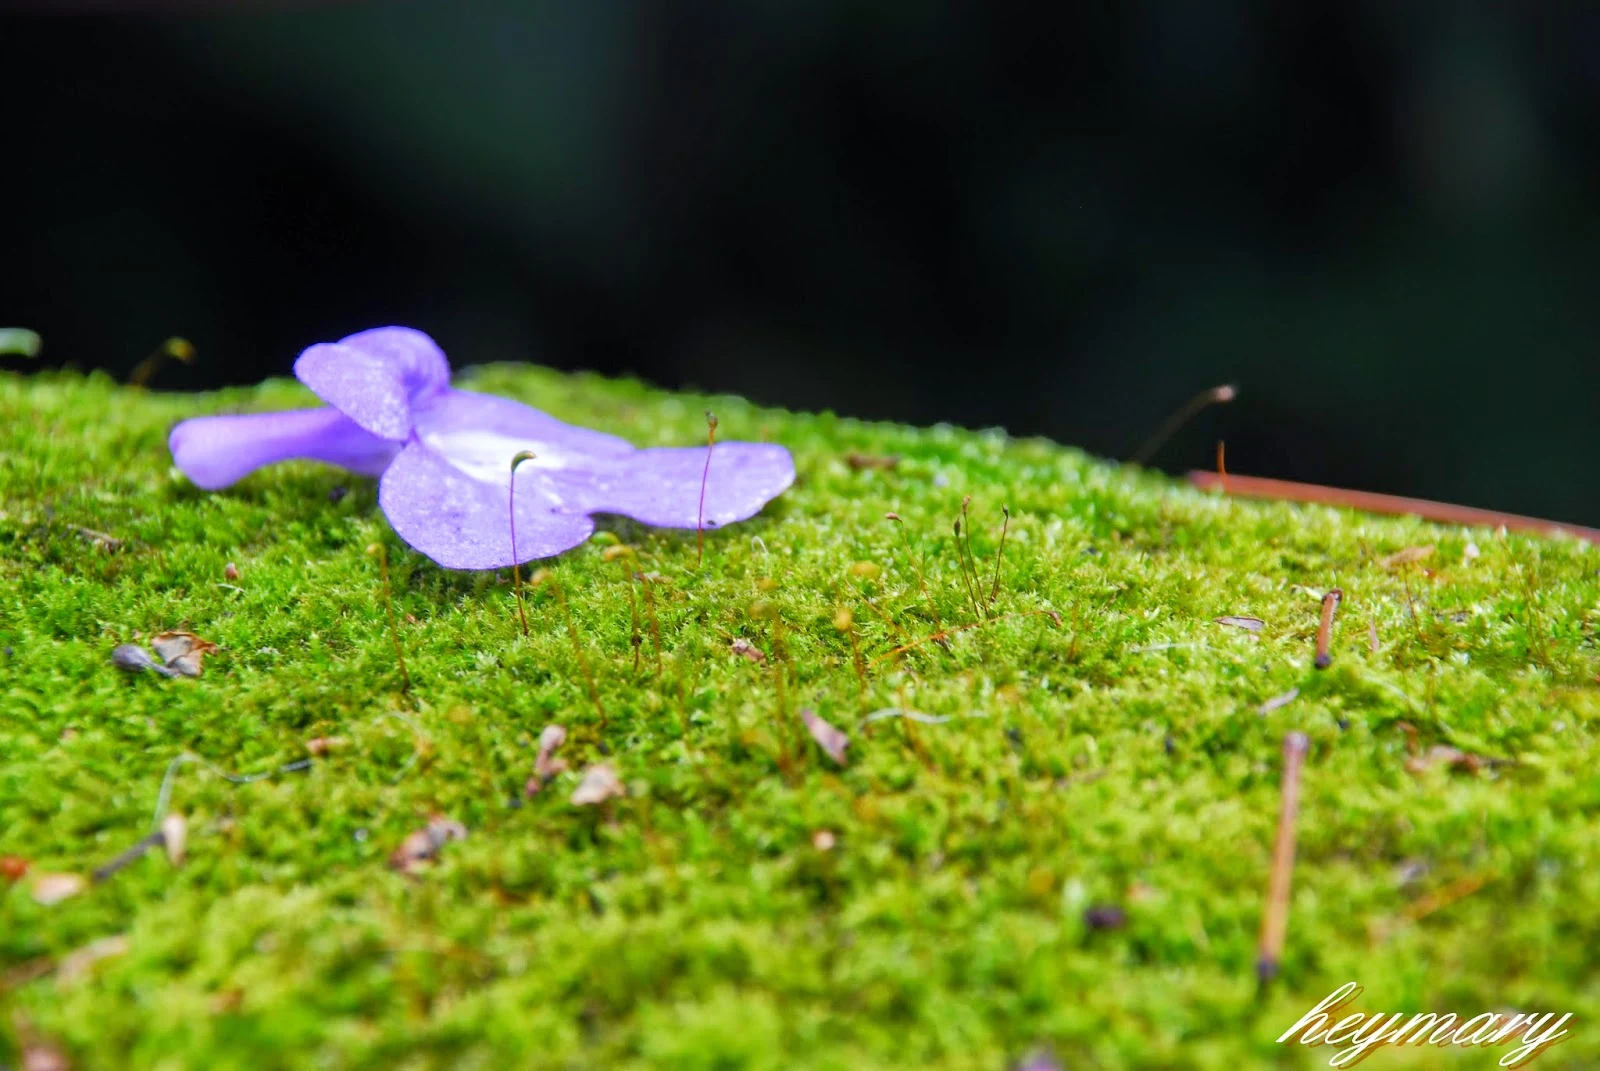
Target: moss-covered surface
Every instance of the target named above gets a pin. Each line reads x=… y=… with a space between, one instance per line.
x=1118 y=759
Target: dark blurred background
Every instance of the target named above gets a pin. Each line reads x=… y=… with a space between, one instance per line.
x=1381 y=219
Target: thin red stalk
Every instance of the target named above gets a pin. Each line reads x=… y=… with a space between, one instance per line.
x=700 y=518
x=516 y=571
x=994 y=588
x=922 y=584
x=1185 y=412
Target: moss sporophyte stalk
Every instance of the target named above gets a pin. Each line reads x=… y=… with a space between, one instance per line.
x=1053 y=827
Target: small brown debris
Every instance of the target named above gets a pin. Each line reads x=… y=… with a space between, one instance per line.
x=1411 y=735
x=1250 y=624
x=858 y=462
x=1279 y=701
x=828 y=738
x=745 y=649
x=230 y=572
x=546 y=766
x=1453 y=758
x=227 y=1001
x=182 y=651
x=40 y=1055
x=175 y=836
x=1330 y=603
x=823 y=840
x=51 y=889
x=319 y=746
x=99 y=539
x=599 y=784
x=1105 y=917
x=423 y=846
x=12 y=867
x=1406 y=556
x=76 y=964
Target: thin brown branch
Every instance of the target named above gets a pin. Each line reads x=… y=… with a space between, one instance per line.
x=1376 y=502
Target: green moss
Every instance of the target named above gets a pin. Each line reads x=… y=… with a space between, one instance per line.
x=1118 y=758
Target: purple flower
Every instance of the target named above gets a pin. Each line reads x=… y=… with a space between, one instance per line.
x=444 y=457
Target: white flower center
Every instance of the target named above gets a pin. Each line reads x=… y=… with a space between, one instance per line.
x=486 y=455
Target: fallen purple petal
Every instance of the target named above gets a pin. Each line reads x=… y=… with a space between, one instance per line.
x=1251 y=624
x=443 y=455
x=132 y=658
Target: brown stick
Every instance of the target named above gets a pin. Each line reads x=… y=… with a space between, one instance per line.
x=1330 y=603
x=1275 y=922
x=1375 y=502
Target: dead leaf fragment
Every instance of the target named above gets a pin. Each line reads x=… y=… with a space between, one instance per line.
x=885 y=462
x=828 y=738
x=75 y=965
x=230 y=571
x=546 y=766
x=823 y=840
x=745 y=649
x=175 y=836
x=1279 y=701
x=422 y=846
x=1250 y=624
x=1406 y=556
x=599 y=784
x=182 y=651
x=53 y=888
x=12 y=867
